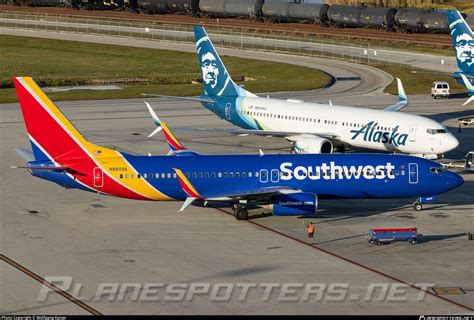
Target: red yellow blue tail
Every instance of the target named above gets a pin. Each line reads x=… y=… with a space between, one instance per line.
x=53 y=137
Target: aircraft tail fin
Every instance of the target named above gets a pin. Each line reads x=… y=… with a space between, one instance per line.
x=463 y=41
x=215 y=78
x=51 y=134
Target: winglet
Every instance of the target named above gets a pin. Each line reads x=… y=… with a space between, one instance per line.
x=156 y=120
x=161 y=125
x=186 y=203
x=470 y=88
x=402 y=97
x=188 y=188
x=401 y=91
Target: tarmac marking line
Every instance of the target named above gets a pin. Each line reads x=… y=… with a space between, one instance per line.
x=41 y=280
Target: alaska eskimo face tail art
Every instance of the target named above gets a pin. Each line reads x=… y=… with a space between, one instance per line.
x=215 y=78
x=463 y=41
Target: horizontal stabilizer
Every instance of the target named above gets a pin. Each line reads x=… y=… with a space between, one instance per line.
x=40 y=167
x=470 y=88
x=195 y=99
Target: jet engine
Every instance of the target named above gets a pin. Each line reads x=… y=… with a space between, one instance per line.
x=294 y=204
x=312 y=145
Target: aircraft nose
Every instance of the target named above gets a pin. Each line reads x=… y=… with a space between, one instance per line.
x=455 y=180
x=458 y=180
x=454 y=143
x=449 y=143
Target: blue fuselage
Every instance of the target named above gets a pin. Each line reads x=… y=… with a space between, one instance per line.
x=356 y=176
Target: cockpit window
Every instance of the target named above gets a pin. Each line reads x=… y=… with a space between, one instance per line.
x=435 y=131
x=437 y=170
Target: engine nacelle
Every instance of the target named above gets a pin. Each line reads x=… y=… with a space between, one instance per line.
x=295 y=204
x=312 y=145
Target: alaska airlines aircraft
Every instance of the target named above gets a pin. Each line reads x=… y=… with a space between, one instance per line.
x=292 y=184
x=313 y=127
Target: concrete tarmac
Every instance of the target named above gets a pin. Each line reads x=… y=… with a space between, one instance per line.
x=95 y=240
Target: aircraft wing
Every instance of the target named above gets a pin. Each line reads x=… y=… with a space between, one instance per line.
x=469 y=87
x=265 y=133
x=402 y=97
x=195 y=99
x=228 y=192
x=247 y=193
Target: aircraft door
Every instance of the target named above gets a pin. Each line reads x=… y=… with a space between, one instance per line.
x=413 y=173
x=264 y=176
x=275 y=175
x=98 y=177
x=412 y=134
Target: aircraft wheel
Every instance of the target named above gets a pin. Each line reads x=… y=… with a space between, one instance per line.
x=379 y=243
x=241 y=214
x=413 y=241
x=417 y=206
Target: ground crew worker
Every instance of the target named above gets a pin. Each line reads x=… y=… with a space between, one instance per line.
x=310 y=227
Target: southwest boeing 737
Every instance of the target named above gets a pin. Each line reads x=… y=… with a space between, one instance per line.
x=313 y=127
x=291 y=184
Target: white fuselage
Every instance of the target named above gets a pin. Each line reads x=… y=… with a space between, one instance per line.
x=357 y=127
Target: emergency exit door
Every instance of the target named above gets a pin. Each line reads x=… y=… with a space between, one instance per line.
x=413 y=173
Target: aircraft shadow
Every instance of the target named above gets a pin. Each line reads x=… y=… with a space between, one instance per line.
x=439 y=237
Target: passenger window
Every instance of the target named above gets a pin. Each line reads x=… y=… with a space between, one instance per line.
x=168 y=175
x=163 y=176
x=145 y=175
x=237 y=175
x=219 y=174
x=256 y=174
x=174 y=175
x=213 y=175
x=157 y=175
x=226 y=175
x=231 y=175
x=250 y=174
x=200 y=175
x=244 y=174
x=121 y=176
x=207 y=175
x=132 y=176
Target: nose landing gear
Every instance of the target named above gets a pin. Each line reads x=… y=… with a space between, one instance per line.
x=240 y=213
x=417 y=206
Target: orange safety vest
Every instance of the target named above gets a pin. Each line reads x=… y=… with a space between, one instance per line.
x=311 y=228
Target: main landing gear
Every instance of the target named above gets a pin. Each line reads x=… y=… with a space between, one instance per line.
x=240 y=213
